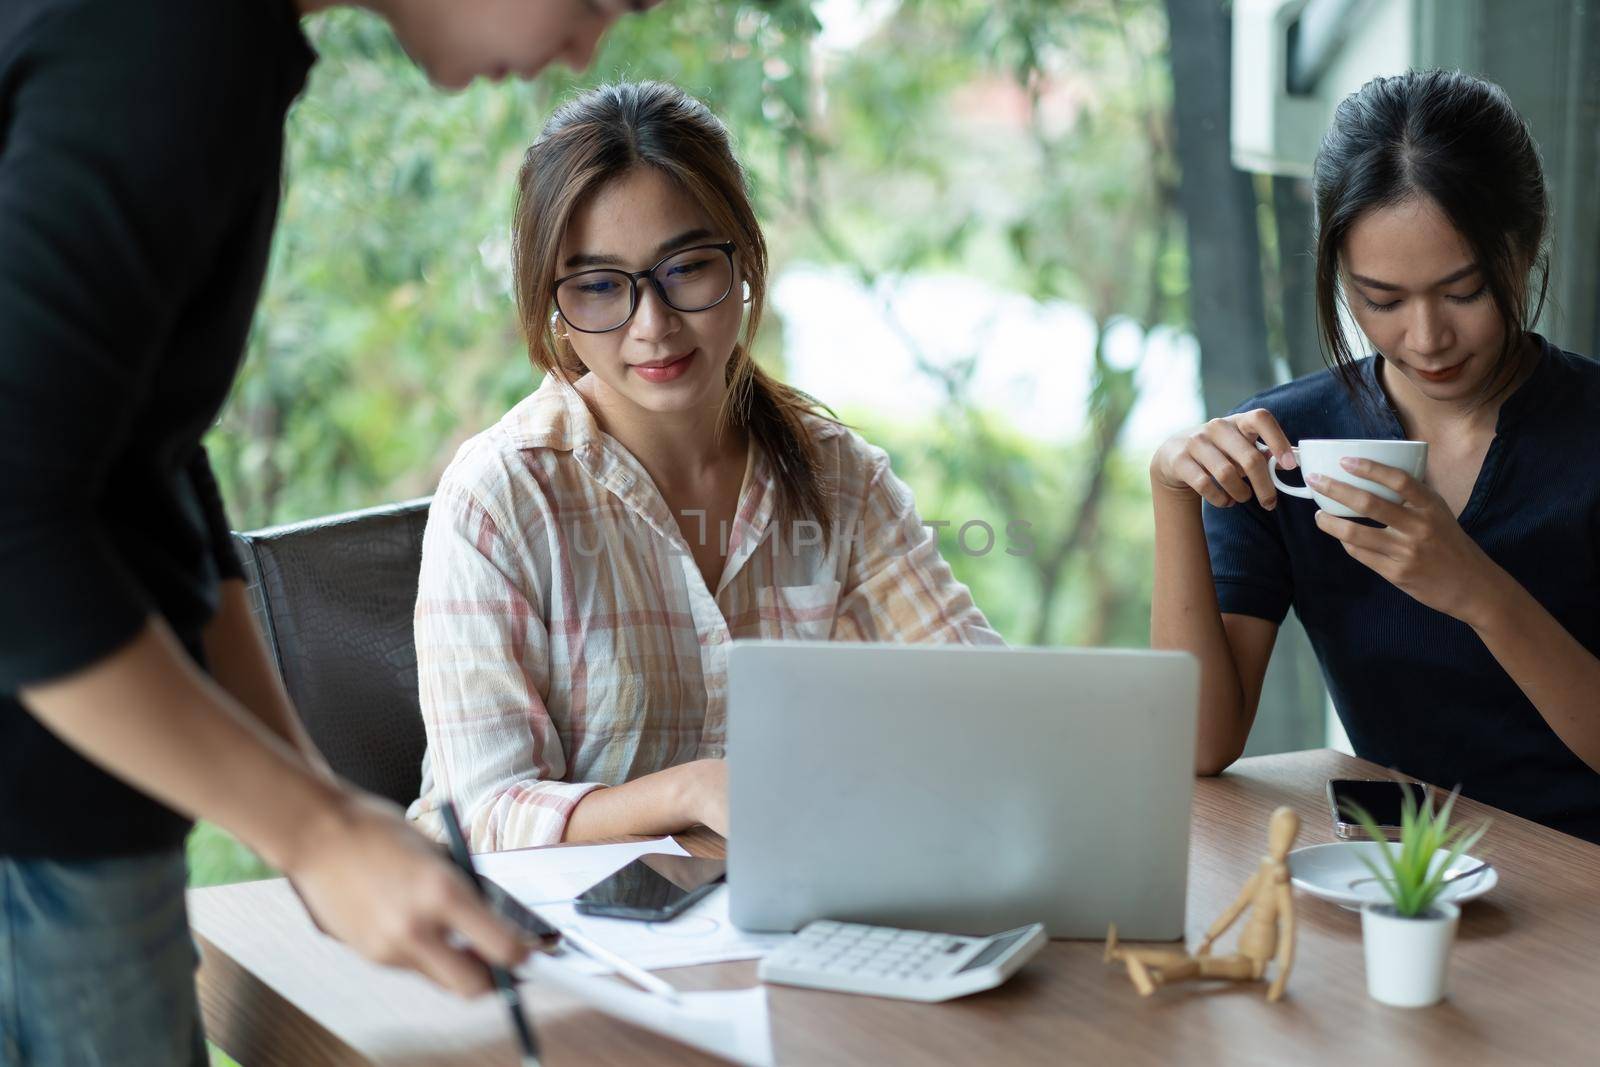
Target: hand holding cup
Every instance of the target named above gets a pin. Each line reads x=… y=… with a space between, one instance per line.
x=1324 y=458
x=1420 y=548
x=1225 y=461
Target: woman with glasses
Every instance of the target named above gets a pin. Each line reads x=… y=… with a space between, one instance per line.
x=589 y=558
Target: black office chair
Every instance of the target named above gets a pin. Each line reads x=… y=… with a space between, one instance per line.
x=334 y=598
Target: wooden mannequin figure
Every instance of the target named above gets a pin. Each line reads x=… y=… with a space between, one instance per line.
x=1268 y=932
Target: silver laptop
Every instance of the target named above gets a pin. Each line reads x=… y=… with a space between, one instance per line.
x=968 y=790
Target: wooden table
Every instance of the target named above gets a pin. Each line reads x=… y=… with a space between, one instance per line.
x=1525 y=977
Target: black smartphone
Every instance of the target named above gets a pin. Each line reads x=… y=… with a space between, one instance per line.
x=1381 y=799
x=510 y=909
x=653 y=888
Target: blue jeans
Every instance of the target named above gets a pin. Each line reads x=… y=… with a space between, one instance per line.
x=96 y=963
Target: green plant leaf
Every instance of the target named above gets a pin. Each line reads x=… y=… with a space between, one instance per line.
x=1414 y=880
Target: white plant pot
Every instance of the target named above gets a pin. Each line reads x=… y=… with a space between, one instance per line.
x=1408 y=959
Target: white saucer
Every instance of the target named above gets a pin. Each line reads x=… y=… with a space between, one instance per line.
x=1326 y=871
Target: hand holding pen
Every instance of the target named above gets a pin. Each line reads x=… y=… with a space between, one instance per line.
x=503 y=982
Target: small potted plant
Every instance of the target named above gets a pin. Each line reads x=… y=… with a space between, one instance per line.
x=1407 y=938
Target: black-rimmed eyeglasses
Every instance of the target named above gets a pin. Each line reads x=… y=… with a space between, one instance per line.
x=602 y=300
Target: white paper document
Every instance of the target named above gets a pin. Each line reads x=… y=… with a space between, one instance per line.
x=732 y=1024
x=546 y=880
x=703 y=934
x=728 y=1023
x=549 y=875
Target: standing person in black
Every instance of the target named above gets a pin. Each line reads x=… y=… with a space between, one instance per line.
x=1458 y=630
x=140 y=153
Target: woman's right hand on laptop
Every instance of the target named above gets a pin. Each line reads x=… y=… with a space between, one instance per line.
x=373 y=882
x=1220 y=462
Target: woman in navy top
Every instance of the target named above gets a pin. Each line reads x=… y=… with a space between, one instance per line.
x=1458 y=631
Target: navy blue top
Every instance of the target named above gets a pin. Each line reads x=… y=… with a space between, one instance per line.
x=1416 y=689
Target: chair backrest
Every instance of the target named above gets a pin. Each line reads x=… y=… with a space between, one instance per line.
x=334 y=597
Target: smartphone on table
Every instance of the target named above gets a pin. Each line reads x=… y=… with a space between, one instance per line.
x=1382 y=799
x=653 y=888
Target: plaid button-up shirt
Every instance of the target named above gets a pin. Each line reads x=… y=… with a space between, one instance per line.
x=566 y=639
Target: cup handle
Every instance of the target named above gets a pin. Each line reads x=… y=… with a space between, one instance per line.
x=1293 y=490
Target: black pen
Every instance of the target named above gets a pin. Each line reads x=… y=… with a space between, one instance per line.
x=503 y=981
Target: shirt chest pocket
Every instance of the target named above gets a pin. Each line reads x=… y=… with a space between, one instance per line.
x=798 y=612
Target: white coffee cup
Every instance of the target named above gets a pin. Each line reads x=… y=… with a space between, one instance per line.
x=1322 y=456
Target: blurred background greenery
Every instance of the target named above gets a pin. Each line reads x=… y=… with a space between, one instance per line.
x=941 y=138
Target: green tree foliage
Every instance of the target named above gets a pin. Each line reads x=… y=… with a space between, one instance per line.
x=387 y=332
x=1027 y=143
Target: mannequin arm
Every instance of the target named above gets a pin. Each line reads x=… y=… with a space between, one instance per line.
x=1227 y=918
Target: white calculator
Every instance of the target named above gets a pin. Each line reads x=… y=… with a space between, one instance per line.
x=881 y=961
